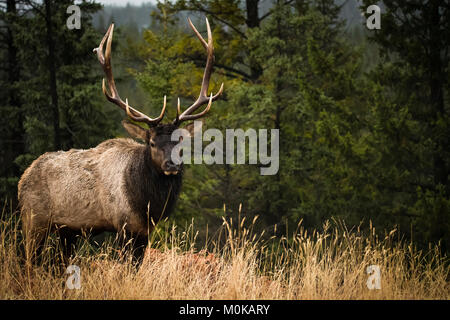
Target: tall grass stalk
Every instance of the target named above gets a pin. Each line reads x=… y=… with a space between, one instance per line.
x=330 y=263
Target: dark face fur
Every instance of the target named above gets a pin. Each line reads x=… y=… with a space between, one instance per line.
x=160 y=145
x=161 y=148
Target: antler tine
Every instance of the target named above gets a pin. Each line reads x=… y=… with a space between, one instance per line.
x=113 y=94
x=203 y=96
x=199 y=36
x=98 y=50
x=201 y=114
x=178 y=111
x=139 y=116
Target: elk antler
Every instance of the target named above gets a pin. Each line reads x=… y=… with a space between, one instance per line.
x=203 y=96
x=113 y=96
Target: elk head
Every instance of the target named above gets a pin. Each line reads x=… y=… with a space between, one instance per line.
x=158 y=136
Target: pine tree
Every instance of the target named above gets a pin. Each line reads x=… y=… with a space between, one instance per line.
x=288 y=41
x=414 y=40
x=12 y=142
x=59 y=84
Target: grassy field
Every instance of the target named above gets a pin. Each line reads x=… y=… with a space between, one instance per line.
x=239 y=264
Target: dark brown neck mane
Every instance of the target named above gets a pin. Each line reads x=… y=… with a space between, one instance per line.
x=148 y=188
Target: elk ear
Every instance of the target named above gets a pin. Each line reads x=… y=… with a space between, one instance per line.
x=190 y=129
x=195 y=130
x=135 y=131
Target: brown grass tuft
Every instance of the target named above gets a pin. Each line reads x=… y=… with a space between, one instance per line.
x=326 y=264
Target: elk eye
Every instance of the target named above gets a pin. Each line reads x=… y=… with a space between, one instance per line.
x=152 y=144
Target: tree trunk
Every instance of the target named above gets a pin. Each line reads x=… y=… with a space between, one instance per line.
x=52 y=73
x=252 y=14
x=253 y=21
x=436 y=90
x=17 y=144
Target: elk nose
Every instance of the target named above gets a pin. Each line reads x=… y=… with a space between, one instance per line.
x=170 y=168
x=168 y=165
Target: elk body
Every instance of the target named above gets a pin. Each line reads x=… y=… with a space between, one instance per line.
x=120 y=185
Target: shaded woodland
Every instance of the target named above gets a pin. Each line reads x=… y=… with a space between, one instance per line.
x=364 y=115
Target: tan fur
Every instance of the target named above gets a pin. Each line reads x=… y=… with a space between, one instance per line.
x=80 y=189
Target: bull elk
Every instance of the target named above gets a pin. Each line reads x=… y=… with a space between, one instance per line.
x=120 y=185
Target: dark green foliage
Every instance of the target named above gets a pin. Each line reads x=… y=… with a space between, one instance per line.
x=75 y=116
x=363 y=114
x=413 y=123
x=353 y=145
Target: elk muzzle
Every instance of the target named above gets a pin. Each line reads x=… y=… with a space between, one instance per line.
x=169 y=168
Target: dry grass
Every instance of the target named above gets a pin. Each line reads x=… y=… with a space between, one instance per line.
x=330 y=264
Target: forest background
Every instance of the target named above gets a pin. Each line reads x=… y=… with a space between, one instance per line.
x=363 y=114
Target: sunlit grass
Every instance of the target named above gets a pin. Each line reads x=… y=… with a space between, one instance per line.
x=330 y=263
